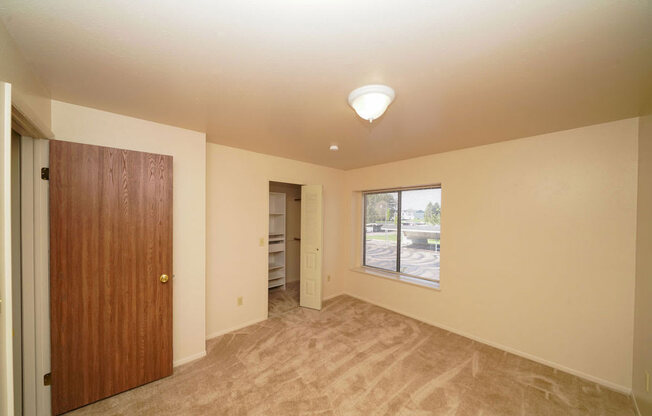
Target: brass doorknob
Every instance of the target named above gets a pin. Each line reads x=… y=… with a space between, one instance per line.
x=164 y=278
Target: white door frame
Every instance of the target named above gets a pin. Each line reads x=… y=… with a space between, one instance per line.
x=35 y=263
x=6 y=319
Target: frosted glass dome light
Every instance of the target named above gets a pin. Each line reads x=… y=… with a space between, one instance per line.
x=371 y=101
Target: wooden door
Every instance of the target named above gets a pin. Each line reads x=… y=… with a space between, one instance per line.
x=110 y=242
x=311 y=246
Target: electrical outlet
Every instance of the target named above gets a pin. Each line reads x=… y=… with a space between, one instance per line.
x=261 y=242
x=647 y=381
x=239 y=300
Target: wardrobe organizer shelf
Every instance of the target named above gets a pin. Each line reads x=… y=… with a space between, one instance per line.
x=276 y=247
x=276 y=240
x=276 y=274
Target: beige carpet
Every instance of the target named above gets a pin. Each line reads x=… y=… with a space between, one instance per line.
x=282 y=300
x=353 y=358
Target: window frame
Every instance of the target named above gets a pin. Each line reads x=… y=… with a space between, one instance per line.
x=399 y=226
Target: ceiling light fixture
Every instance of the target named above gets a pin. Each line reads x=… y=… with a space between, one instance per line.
x=371 y=101
x=334 y=147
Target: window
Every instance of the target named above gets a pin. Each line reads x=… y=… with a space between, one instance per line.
x=402 y=232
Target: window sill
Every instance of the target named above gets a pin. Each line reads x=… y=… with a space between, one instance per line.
x=403 y=278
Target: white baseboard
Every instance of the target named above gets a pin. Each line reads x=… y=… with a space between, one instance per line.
x=638 y=411
x=186 y=360
x=334 y=295
x=235 y=328
x=597 y=380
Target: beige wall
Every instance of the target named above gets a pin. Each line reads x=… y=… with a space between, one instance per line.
x=537 y=246
x=643 y=304
x=237 y=199
x=188 y=148
x=292 y=228
x=28 y=93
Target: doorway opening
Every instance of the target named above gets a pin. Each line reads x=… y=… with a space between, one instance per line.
x=34 y=266
x=284 y=262
x=29 y=277
x=30 y=290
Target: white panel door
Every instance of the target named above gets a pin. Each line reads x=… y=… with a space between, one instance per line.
x=6 y=338
x=311 y=246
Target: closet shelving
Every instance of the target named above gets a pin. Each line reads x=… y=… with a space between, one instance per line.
x=276 y=262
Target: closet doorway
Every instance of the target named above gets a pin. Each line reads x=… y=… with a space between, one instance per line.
x=295 y=243
x=284 y=247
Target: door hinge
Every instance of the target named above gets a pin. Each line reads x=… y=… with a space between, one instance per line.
x=45 y=174
x=47 y=379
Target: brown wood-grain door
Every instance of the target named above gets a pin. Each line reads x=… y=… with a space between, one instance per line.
x=110 y=242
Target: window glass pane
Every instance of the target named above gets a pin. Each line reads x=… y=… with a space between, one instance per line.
x=380 y=230
x=420 y=232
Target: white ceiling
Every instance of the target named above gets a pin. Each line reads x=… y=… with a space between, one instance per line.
x=273 y=76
